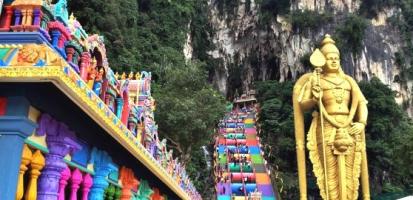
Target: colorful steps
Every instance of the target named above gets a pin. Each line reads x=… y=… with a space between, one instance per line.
x=240 y=165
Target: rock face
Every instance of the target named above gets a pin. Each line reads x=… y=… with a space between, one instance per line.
x=249 y=51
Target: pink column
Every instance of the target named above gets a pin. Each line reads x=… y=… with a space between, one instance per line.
x=86 y=185
x=76 y=179
x=69 y=52
x=62 y=40
x=5 y=26
x=65 y=175
x=84 y=65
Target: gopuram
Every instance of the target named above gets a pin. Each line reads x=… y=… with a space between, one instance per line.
x=335 y=139
x=70 y=127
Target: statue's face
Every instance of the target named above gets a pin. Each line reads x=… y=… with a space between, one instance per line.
x=332 y=62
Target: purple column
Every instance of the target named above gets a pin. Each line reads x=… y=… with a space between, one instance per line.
x=17 y=15
x=36 y=14
x=60 y=141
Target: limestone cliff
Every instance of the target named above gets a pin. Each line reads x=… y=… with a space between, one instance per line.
x=249 y=50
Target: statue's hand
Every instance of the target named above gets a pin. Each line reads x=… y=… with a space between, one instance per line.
x=356 y=128
x=317 y=92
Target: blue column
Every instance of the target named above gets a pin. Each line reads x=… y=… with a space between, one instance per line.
x=15 y=127
x=119 y=107
x=55 y=38
x=103 y=165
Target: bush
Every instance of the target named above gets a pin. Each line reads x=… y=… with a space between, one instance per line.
x=370 y=8
x=349 y=36
x=276 y=6
x=271 y=8
x=308 y=19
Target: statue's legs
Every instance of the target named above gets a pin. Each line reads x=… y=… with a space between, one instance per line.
x=352 y=166
x=352 y=183
x=332 y=173
x=331 y=160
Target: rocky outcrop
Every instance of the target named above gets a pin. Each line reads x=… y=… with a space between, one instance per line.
x=249 y=50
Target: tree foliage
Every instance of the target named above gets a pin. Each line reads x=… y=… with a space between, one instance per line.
x=150 y=35
x=138 y=33
x=308 y=20
x=200 y=169
x=370 y=8
x=277 y=134
x=269 y=9
x=188 y=108
x=349 y=35
x=389 y=133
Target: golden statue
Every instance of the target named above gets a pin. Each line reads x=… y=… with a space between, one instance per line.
x=335 y=139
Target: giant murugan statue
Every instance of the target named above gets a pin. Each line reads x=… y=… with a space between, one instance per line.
x=335 y=139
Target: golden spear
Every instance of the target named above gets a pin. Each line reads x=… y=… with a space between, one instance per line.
x=318 y=60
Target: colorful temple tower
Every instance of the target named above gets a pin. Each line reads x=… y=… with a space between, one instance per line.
x=240 y=169
x=70 y=127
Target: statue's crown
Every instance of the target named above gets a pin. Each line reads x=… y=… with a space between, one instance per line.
x=328 y=45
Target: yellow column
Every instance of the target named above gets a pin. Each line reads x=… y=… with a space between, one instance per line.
x=29 y=18
x=24 y=17
x=26 y=157
x=37 y=164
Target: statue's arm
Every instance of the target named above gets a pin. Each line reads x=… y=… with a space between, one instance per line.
x=362 y=112
x=361 y=117
x=306 y=99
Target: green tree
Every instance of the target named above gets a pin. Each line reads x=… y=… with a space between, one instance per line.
x=200 y=169
x=138 y=34
x=371 y=8
x=188 y=108
x=277 y=135
x=349 y=35
x=389 y=133
x=308 y=20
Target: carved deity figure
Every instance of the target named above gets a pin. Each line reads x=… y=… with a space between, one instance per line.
x=97 y=86
x=335 y=139
x=33 y=54
x=92 y=72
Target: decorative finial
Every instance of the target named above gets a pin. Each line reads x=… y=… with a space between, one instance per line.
x=72 y=17
x=130 y=76
x=123 y=77
x=117 y=76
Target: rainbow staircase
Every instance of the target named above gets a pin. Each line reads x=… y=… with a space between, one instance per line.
x=240 y=169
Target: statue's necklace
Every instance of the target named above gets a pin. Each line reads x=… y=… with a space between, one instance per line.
x=338 y=93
